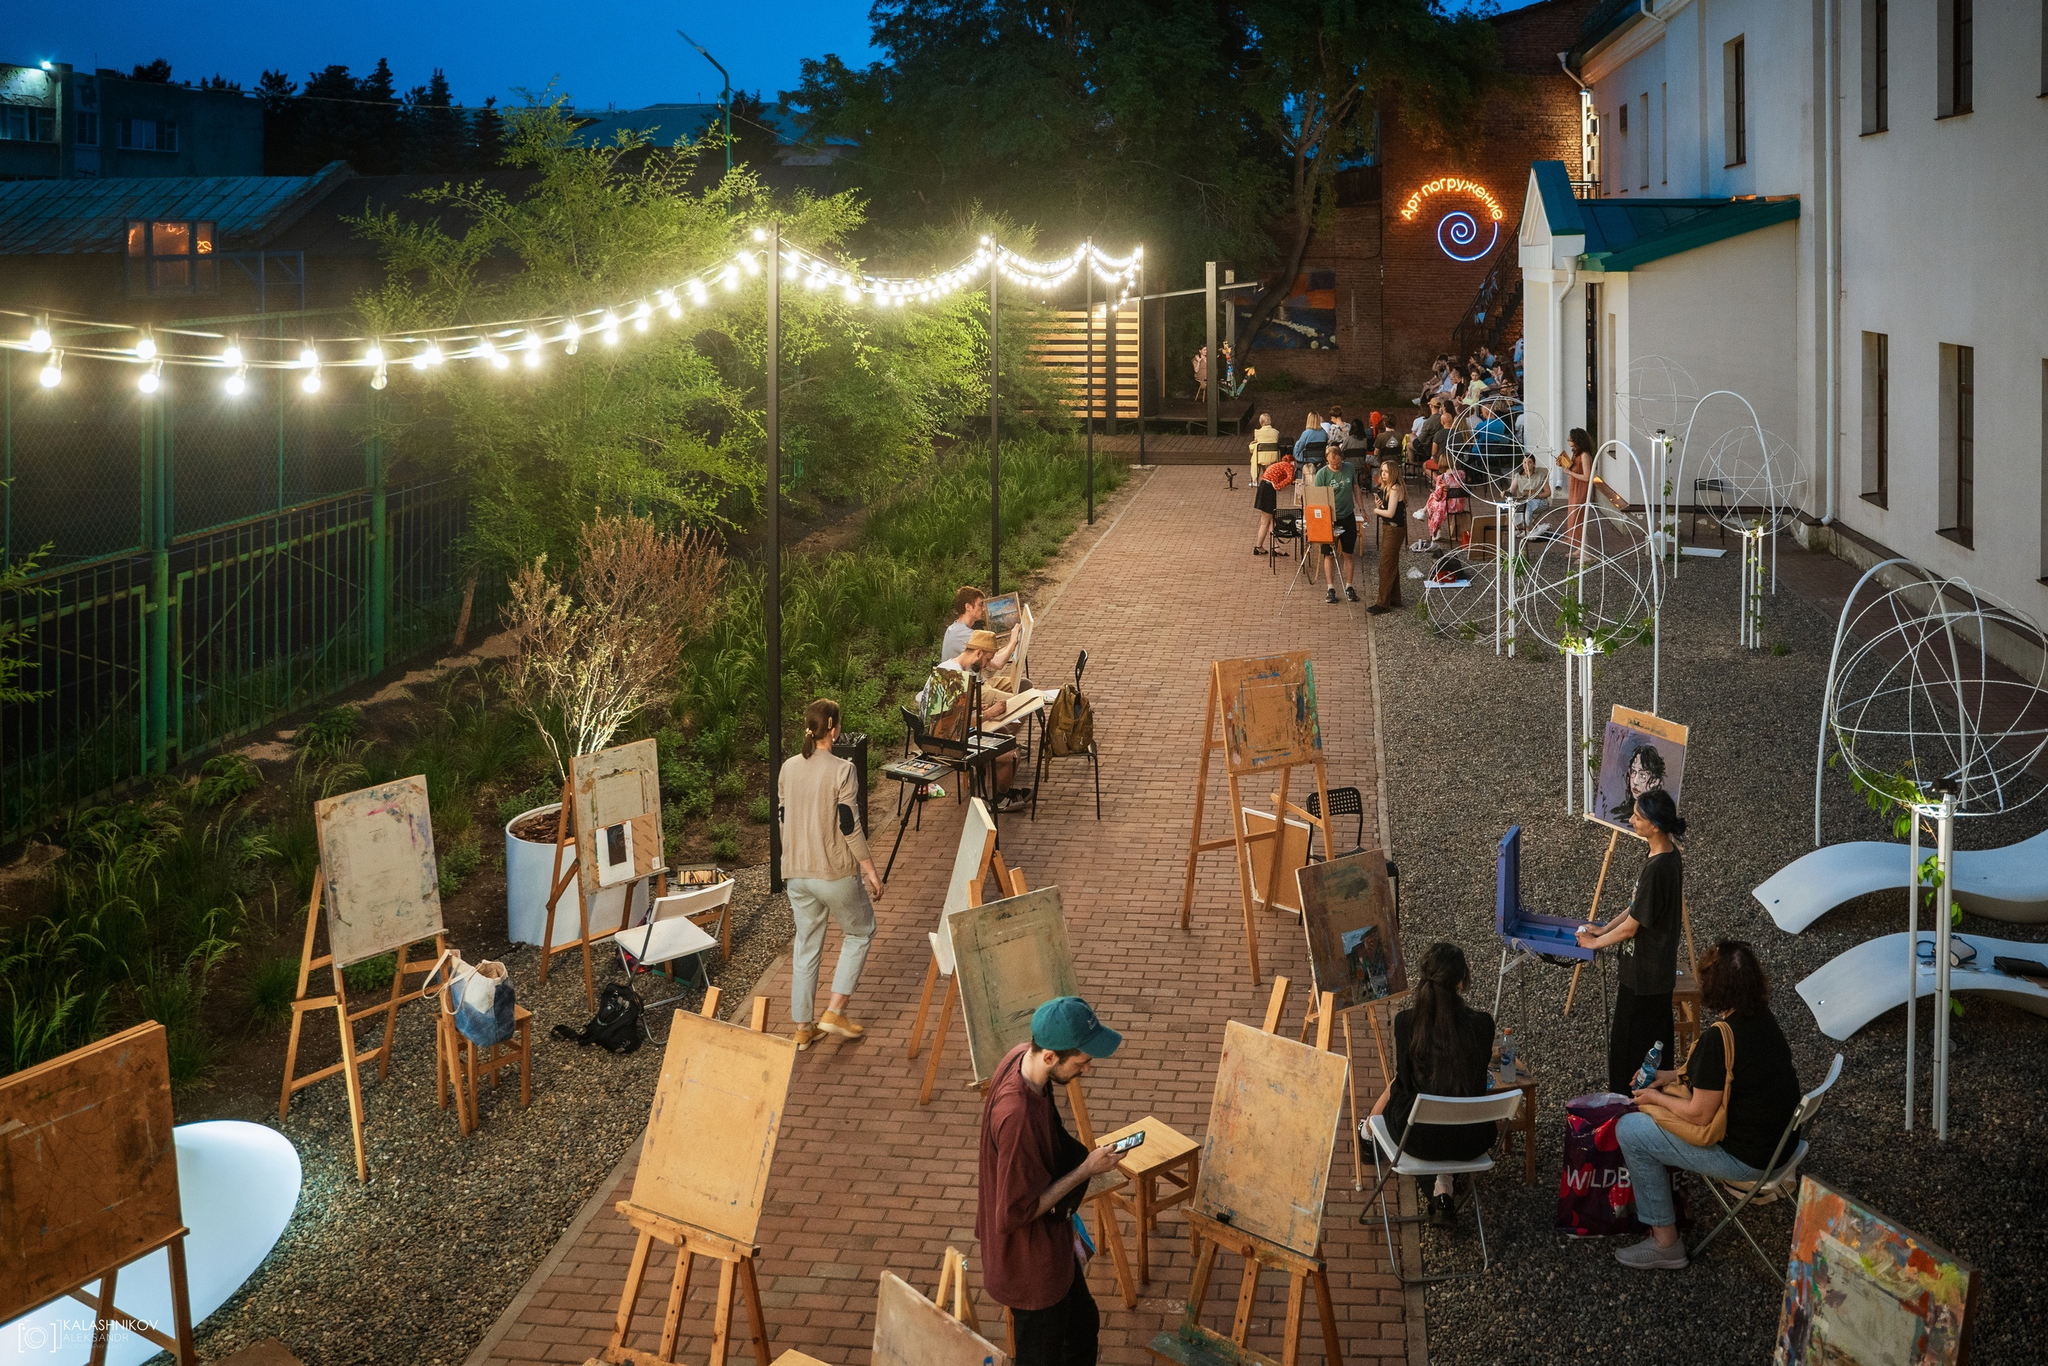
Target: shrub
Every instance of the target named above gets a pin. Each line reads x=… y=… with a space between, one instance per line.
x=725 y=840
x=270 y=989
x=330 y=735
x=372 y=974
x=1278 y=382
x=225 y=777
x=456 y=862
x=731 y=783
x=758 y=810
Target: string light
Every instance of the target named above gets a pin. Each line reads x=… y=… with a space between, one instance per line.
x=145 y=349
x=640 y=312
x=39 y=337
x=152 y=378
x=239 y=381
x=311 y=383
x=611 y=329
x=374 y=357
x=532 y=349
x=53 y=369
x=572 y=336
x=232 y=355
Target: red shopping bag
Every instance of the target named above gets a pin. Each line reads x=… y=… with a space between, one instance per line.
x=1593 y=1195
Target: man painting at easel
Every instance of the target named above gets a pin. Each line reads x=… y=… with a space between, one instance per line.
x=949 y=682
x=1033 y=1177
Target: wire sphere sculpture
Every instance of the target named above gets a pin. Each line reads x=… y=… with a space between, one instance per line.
x=1915 y=704
x=1591 y=579
x=1487 y=448
x=1660 y=396
x=1464 y=608
x=1757 y=477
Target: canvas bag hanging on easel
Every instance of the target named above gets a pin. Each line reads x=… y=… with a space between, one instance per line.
x=483 y=998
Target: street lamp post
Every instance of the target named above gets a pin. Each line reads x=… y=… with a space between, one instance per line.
x=995 y=493
x=725 y=102
x=1088 y=334
x=774 y=543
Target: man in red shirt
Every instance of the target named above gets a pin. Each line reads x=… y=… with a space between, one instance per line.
x=1033 y=1177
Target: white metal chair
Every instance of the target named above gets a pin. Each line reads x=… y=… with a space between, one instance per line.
x=1776 y=1173
x=1390 y=1159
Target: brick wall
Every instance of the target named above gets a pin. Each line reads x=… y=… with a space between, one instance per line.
x=1398 y=295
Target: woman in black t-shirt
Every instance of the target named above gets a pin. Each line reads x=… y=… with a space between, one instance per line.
x=1761 y=1098
x=1648 y=936
x=1441 y=1048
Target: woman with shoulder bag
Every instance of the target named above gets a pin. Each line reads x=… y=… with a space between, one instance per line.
x=1699 y=1119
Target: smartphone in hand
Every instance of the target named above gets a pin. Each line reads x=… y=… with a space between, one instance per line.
x=1124 y=1145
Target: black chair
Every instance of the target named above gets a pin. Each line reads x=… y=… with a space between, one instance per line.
x=1720 y=488
x=952 y=756
x=1347 y=801
x=1093 y=754
x=1286 y=527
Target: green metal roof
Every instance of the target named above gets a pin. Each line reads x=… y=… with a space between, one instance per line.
x=1624 y=232
x=62 y=217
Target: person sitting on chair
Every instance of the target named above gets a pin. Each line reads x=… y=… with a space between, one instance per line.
x=949 y=682
x=1441 y=1048
x=1531 y=488
x=970 y=606
x=1732 y=983
x=1265 y=447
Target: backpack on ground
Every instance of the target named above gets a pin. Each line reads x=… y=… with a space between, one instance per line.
x=616 y=1026
x=1070 y=728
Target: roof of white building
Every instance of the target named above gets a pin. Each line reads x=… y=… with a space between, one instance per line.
x=1624 y=232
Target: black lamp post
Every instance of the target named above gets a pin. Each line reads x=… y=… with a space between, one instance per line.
x=774 y=548
x=995 y=492
x=725 y=101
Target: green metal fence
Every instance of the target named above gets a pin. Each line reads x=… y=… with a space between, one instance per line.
x=211 y=566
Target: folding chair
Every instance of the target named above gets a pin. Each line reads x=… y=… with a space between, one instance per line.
x=1093 y=754
x=1286 y=527
x=1391 y=1159
x=1528 y=937
x=1776 y=1173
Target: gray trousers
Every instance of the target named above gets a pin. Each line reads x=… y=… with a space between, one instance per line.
x=811 y=902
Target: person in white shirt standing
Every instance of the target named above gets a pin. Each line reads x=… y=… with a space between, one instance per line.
x=830 y=874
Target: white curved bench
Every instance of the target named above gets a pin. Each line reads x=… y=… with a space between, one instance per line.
x=2009 y=884
x=1853 y=988
x=237 y=1186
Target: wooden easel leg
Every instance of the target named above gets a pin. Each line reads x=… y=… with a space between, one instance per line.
x=721 y=1319
x=391 y=1010
x=1290 y=1333
x=636 y=1272
x=1278 y=857
x=1593 y=915
x=1333 y=1345
x=102 y=1315
x=557 y=883
x=291 y=1052
x=1244 y=878
x=1187 y=894
x=1351 y=1083
x=181 y=1305
x=1247 y=1291
x=924 y=1005
x=1325 y=1008
x=759 y=1320
x=1276 y=1003
x=583 y=923
x=1113 y=1238
x=353 y=1077
x=931 y=1067
x=1205 y=1267
x=678 y=1295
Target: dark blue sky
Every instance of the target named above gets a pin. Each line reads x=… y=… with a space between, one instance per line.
x=600 y=51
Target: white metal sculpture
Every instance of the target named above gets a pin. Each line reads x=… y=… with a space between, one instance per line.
x=1757 y=480
x=1920 y=712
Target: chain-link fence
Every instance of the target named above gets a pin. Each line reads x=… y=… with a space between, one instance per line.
x=210 y=563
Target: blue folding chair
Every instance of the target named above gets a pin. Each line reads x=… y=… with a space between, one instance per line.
x=1524 y=936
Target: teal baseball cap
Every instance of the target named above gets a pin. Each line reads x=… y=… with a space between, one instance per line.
x=1067 y=1022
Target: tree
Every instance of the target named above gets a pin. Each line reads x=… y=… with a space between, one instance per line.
x=157 y=72
x=486 y=136
x=437 y=134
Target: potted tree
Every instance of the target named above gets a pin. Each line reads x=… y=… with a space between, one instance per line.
x=590 y=652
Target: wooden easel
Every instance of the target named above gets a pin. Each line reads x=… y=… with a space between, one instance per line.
x=568 y=837
x=92 y=1185
x=735 y=1256
x=1318 y=1012
x=352 y=1062
x=953 y=1277
x=1193 y=1344
x=1011 y=883
x=1253 y=758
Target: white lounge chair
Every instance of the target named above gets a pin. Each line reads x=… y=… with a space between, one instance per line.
x=1853 y=988
x=2009 y=884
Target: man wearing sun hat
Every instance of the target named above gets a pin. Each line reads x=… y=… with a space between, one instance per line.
x=1033 y=1177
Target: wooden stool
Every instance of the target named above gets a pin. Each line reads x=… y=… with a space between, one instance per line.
x=1686 y=1015
x=517 y=1050
x=1524 y=1122
x=1165 y=1157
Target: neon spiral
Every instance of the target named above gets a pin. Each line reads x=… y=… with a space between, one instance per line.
x=1459 y=229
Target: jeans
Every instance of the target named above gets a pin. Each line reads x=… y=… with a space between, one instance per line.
x=1651 y=1152
x=1064 y=1335
x=811 y=901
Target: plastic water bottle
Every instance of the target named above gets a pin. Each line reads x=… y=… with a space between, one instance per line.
x=1647 y=1073
x=1507 y=1053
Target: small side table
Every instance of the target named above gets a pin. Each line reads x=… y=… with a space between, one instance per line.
x=1168 y=1159
x=1524 y=1123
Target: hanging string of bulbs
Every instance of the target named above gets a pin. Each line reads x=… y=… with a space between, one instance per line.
x=528 y=340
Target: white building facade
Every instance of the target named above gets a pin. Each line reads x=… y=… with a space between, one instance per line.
x=1875 y=283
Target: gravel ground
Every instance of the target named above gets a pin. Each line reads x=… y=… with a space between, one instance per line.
x=1454 y=788
x=417 y=1265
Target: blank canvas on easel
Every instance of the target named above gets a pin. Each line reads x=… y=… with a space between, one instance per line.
x=1009 y=958
x=910 y=1330
x=971 y=858
x=616 y=795
x=383 y=886
x=1269 y=711
x=1272 y=1126
x=1354 y=946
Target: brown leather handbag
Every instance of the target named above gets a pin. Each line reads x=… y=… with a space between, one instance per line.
x=1716 y=1128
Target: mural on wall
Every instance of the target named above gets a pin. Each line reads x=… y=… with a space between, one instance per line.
x=1305 y=320
x=1461 y=233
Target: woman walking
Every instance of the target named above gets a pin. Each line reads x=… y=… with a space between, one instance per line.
x=1390 y=515
x=825 y=859
x=1648 y=936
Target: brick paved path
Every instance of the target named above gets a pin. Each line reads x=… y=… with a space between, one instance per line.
x=865 y=1179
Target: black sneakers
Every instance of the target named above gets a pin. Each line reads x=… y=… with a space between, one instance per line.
x=1350 y=592
x=1332 y=598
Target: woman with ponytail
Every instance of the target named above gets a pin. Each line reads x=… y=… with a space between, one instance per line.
x=1648 y=936
x=1441 y=1048
x=825 y=861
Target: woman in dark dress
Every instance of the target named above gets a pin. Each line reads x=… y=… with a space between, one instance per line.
x=1648 y=936
x=1441 y=1048
x=1390 y=511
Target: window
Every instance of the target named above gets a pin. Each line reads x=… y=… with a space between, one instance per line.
x=1954 y=54
x=1643 y=108
x=1958 y=418
x=1621 y=148
x=1664 y=131
x=2044 y=471
x=1877 y=417
x=171 y=257
x=1877 y=65
x=149 y=135
x=1734 y=102
x=26 y=123
x=85 y=128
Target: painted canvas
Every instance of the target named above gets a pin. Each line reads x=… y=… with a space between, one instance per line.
x=1864 y=1291
x=1269 y=711
x=377 y=854
x=1273 y=1121
x=1354 y=946
x=1306 y=320
x=1638 y=753
x=1003 y=611
x=617 y=797
x=1010 y=957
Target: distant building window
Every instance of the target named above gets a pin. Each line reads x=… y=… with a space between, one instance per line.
x=1877 y=65
x=1958 y=414
x=86 y=128
x=171 y=257
x=1954 y=53
x=27 y=123
x=149 y=135
x=1735 y=101
x=1877 y=417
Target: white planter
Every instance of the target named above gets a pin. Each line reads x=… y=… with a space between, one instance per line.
x=530 y=870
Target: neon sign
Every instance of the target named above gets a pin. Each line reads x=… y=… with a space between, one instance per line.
x=1457 y=231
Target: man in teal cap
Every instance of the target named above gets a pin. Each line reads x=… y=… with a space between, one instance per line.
x=1033 y=1177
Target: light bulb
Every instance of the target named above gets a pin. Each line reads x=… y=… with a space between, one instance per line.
x=611 y=329
x=760 y=234
x=146 y=349
x=152 y=378
x=309 y=357
x=789 y=272
x=749 y=264
x=852 y=295
x=434 y=356
x=232 y=356
x=311 y=383
x=532 y=358
x=499 y=360
x=640 y=317
x=236 y=384
x=53 y=370
x=39 y=339
x=675 y=310
x=381 y=378
x=697 y=291
x=732 y=278
x=375 y=355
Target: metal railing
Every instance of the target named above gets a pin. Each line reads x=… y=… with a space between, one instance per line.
x=1493 y=308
